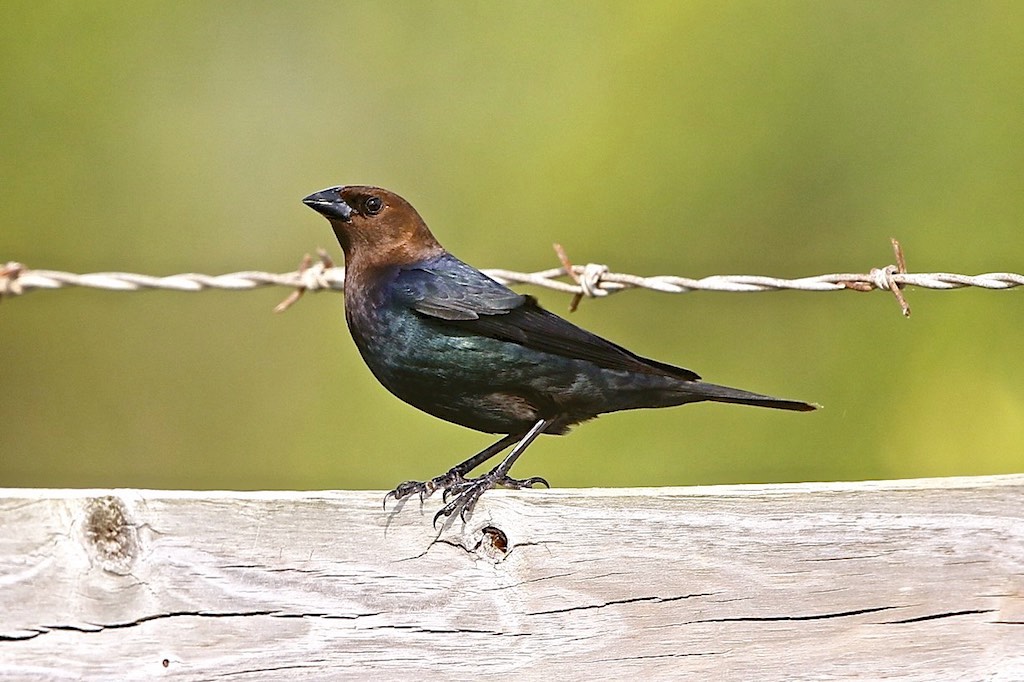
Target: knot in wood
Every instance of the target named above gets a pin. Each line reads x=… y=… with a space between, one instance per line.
x=110 y=535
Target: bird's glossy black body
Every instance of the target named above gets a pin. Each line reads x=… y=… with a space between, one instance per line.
x=445 y=338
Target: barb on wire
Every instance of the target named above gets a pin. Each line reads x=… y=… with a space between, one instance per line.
x=883 y=278
x=592 y=280
x=312 y=276
x=900 y=267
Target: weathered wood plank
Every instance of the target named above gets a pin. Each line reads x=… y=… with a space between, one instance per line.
x=916 y=580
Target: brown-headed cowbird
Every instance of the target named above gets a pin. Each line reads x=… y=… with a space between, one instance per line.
x=445 y=338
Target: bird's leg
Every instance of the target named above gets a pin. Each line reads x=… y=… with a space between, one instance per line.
x=466 y=493
x=454 y=476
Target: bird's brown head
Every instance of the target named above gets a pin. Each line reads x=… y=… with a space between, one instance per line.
x=374 y=226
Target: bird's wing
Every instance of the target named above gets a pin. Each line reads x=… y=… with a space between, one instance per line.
x=448 y=289
x=459 y=296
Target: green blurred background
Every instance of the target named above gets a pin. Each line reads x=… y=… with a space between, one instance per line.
x=695 y=138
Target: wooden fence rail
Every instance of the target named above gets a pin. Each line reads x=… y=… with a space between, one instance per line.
x=913 y=580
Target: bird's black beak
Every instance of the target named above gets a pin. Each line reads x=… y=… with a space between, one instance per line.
x=329 y=204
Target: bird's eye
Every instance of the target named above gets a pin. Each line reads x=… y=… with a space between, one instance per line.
x=373 y=205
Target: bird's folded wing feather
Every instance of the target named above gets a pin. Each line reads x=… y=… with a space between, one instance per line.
x=459 y=296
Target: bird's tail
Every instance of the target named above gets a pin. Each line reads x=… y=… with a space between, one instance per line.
x=724 y=394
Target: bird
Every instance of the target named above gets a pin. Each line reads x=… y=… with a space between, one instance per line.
x=449 y=340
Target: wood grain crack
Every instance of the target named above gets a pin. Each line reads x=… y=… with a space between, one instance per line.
x=618 y=602
x=816 y=616
x=936 y=616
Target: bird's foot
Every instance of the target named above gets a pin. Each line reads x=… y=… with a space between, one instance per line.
x=425 y=489
x=461 y=497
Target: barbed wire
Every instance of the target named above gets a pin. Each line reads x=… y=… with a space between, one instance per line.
x=592 y=280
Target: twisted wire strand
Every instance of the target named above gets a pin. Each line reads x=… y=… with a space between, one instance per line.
x=591 y=280
x=611 y=282
x=16 y=279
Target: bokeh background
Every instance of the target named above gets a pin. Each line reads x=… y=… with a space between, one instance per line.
x=697 y=138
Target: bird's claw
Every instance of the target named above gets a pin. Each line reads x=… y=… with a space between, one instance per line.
x=460 y=487
x=520 y=483
x=460 y=494
x=461 y=497
x=425 y=488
